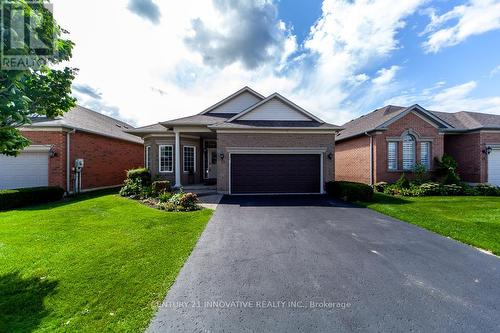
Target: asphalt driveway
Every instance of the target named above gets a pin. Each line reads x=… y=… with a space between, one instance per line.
x=288 y=264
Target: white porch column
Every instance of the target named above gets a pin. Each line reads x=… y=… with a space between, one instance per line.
x=177 y=159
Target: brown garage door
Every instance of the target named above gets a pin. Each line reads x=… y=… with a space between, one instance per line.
x=275 y=173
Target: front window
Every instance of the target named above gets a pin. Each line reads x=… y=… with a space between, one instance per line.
x=425 y=154
x=189 y=159
x=392 y=155
x=408 y=152
x=147 y=157
x=166 y=158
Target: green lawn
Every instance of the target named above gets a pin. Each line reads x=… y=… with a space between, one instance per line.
x=99 y=263
x=471 y=220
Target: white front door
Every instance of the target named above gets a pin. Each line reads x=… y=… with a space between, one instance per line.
x=494 y=167
x=212 y=163
x=28 y=169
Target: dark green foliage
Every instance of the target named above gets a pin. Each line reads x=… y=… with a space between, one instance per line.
x=160 y=187
x=403 y=182
x=10 y=199
x=446 y=170
x=34 y=90
x=137 y=184
x=142 y=174
x=181 y=202
x=380 y=186
x=349 y=191
x=420 y=173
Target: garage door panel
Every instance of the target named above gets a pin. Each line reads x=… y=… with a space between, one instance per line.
x=275 y=173
x=28 y=169
x=494 y=167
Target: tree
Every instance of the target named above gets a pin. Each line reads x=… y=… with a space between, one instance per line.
x=30 y=85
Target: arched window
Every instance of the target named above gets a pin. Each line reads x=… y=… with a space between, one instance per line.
x=408 y=152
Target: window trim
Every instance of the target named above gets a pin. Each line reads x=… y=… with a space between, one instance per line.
x=396 y=156
x=184 y=158
x=414 y=153
x=147 y=157
x=159 y=159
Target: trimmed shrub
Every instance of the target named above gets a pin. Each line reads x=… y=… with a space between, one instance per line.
x=142 y=174
x=165 y=196
x=486 y=190
x=137 y=184
x=10 y=199
x=161 y=186
x=349 y=191
x=132 y=188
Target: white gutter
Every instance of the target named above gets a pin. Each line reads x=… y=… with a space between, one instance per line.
x=371 y=158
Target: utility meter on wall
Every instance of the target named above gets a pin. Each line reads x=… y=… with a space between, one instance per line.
x=79 y=164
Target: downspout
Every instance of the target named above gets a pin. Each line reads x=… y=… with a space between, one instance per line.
x=68 y=160
x=371 y=157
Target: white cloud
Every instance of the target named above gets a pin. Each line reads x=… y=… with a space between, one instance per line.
x=129 y=61
x=495 y=71
x=450 y=99
x=474 y=18
x=386 y=75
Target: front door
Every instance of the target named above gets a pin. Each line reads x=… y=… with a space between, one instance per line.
x=212 y=163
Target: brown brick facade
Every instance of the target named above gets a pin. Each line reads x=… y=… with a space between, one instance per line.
x=467 y=150
x=353 y=155
x=272 y=140
x=106 y=159
x=421 y=129
x=352 y=160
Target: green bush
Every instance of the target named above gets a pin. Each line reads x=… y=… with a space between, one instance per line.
x=182 y=202
x=349 y=191
x=446 y=170
x=486 y=190
x=132 y=188
x=137 y=184
x=380 y=186
x=403 y=182
x=420 y=173
x=10 y=199
x=161 y=186
x=142 y=174
x=164 y=196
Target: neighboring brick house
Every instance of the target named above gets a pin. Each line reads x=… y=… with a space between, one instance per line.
x=246 y=144
x=81 y=133
x=387 y=142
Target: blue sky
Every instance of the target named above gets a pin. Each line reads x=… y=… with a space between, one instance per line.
x=339 y=59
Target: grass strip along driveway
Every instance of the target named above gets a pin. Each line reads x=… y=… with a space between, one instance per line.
x=471 y=220
x=94 y=264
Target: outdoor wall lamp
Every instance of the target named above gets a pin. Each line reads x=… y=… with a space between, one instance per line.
x=330 y=156
x=487 y=150
x=221 y=156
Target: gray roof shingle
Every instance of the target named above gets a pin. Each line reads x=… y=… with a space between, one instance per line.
x=459 y=121
x=86 y=120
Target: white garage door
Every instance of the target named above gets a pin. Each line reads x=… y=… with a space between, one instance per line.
x=494 y=167
x=28 y=169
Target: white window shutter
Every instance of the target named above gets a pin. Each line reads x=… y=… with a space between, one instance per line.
x=408 y=153
x=392 y=155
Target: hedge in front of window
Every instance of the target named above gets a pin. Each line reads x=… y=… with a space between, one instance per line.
x=10 y=199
